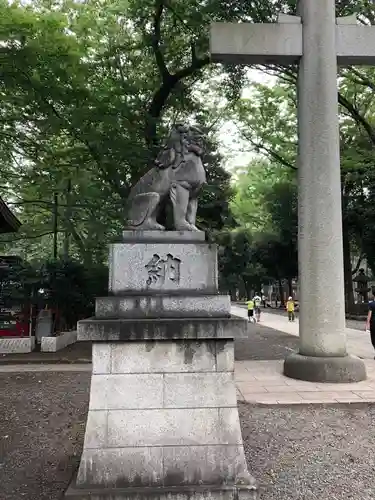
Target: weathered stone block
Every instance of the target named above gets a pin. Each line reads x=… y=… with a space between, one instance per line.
x=104 y=330
x=101 y=358
x=162 y=267
x=229 y=426
x=204 y=465
x=130 y=467
x=54 y=344
x=163 y=306
x=163 y=356
x=11 y=345
x=165 y=427
x=225 y=356
x=126 y=391
x=196 y=390
x=96 y=429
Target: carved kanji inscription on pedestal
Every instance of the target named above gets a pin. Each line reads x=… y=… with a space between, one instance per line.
x=161 y=269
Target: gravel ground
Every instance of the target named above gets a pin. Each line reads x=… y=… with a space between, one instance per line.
x=301 y=452
x=311 y=452
x=41 y=432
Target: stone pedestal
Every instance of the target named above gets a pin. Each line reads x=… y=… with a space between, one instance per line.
x=163 y=419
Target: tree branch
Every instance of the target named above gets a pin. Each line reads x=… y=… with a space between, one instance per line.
x=196 y=65
x=360 y=119
x=363 y=80
x=25 y=237
x=169 y=81
x=273 y=154
x=161 y=96
x=77 y=238
x=156 y=39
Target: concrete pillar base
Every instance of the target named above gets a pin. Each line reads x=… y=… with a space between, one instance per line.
x=344 y=369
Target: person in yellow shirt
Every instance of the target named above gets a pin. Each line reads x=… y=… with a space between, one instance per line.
x=250 y=311
x=290 y=308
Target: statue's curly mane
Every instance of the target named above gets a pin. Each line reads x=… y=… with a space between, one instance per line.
x=181 y=136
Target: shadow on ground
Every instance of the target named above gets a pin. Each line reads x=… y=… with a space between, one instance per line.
x=264 y=343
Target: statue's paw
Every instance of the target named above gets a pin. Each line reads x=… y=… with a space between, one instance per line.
x=152 y=226
x=184 y=226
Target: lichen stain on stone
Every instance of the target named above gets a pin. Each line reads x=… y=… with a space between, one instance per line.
x=116 y=309
x=211 y=347
x=150 y=345
x=189 y=352
x=136 y=481
x=177 y=478
x=220 y=346
x=174 y=478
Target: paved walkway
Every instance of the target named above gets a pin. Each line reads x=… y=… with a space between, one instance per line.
x=358 y=342
x=264 y=382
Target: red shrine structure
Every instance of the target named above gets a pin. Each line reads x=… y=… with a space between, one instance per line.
x=12 y=319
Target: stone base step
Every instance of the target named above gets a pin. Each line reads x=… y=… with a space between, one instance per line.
x=112 y=330
x=163 y=306
x=213 y=492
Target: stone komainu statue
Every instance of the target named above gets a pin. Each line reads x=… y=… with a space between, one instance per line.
x=176 y=178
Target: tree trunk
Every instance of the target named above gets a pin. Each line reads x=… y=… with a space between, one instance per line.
x=55 y=224
x=281 y=291
x=246 y=288
x=348 y=277
x=290 y=287
x=68 y=214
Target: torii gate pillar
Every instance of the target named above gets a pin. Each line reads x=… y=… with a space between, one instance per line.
x=318 y=42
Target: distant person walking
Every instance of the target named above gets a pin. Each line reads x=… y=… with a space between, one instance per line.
x=257 y=303
x=290 y=309
x=250 y=311
x=370 y=323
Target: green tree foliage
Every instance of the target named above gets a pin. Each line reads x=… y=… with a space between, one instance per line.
x=69 y=288
x=240 y=272
x=252 y=184
x=87 y=91
x=267 y=120
x=265 y=205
